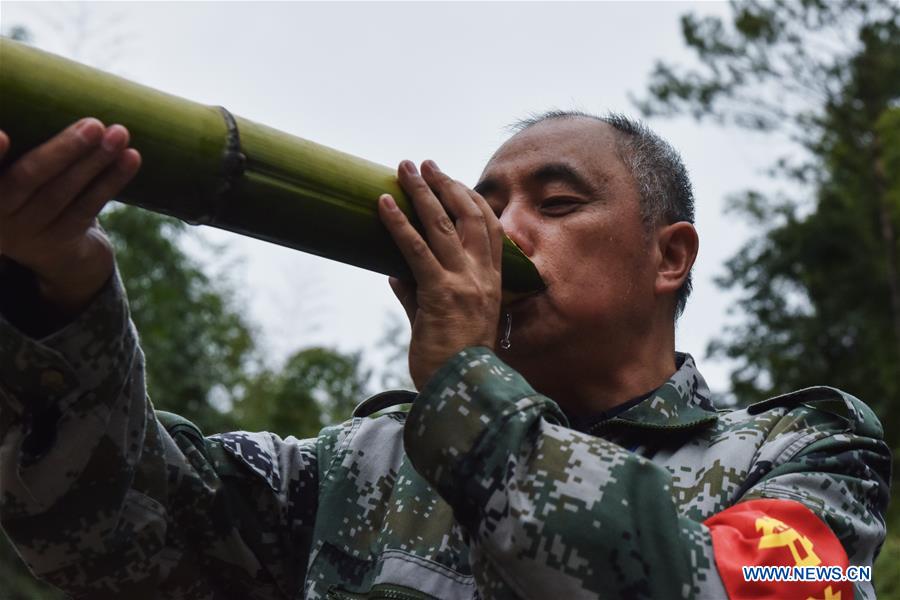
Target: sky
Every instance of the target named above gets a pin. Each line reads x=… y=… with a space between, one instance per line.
x=389 y=81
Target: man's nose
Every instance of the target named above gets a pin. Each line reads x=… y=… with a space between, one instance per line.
x=515 y=221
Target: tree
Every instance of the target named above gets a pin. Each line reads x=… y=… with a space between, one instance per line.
x=195 y=338
x=819 y=285
x=316 y=387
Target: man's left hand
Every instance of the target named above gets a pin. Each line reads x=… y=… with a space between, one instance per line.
x=455 y=300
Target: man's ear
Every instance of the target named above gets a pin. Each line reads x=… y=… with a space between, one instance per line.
x=677 y=246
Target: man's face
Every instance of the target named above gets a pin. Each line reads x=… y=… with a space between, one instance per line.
x=565 y=197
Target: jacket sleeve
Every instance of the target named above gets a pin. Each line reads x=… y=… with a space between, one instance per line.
x=555 y=513
x=838 y=469
x=101 y=500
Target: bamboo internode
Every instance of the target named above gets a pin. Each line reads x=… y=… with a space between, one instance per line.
x=206 y=166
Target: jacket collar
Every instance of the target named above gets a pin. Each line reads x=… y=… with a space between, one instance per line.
x=682 y=402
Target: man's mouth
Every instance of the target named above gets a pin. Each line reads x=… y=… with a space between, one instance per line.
x=523 y=301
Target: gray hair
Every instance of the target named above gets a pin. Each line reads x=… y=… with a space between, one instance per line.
x=657 y=169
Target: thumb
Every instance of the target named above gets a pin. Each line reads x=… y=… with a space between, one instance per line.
x=406 y=294
x=4 y=144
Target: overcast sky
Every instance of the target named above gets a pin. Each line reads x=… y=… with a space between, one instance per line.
x=408 y=80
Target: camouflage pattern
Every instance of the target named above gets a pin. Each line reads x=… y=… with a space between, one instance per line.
x=480 y=491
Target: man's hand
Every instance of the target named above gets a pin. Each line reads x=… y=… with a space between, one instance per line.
x=455 y=300
x=49 y=200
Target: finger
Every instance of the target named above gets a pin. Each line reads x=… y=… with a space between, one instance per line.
x=80 y=214
x=406 y=294
x=421 y=260
x=439 y=228
x=470 y=220
x=4 y=144
x=45 y=162
x=47 y=203
x=495 y=228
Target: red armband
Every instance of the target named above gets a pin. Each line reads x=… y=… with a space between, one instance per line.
x=781 y=534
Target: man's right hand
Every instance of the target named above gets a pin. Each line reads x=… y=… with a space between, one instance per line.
x=49 y=201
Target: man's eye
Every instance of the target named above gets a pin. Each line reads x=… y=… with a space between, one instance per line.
x=559 y=206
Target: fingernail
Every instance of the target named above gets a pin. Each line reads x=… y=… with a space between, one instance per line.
x=389 y=202
x=124 y=163
x=88 y=129
x=433 y=165
x=409 y=167
x=114 y=139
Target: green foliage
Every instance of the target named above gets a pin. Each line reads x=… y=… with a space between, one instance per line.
x=886 y=574
x=888 y=132
x=817 y=290
x=193 y=336
x=316 y=387
x=774 y=66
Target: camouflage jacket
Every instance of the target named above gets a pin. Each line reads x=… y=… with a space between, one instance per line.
x=480 y=491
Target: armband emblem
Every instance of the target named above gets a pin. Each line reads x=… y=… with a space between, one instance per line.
x=774 y=548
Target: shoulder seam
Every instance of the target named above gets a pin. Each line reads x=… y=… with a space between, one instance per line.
x=861 y=419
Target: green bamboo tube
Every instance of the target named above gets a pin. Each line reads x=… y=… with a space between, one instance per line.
x=205 y=166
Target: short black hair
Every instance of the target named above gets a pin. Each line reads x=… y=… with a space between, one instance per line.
x=656 y=167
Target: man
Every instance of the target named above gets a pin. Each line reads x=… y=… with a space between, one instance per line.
x=627 y=484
